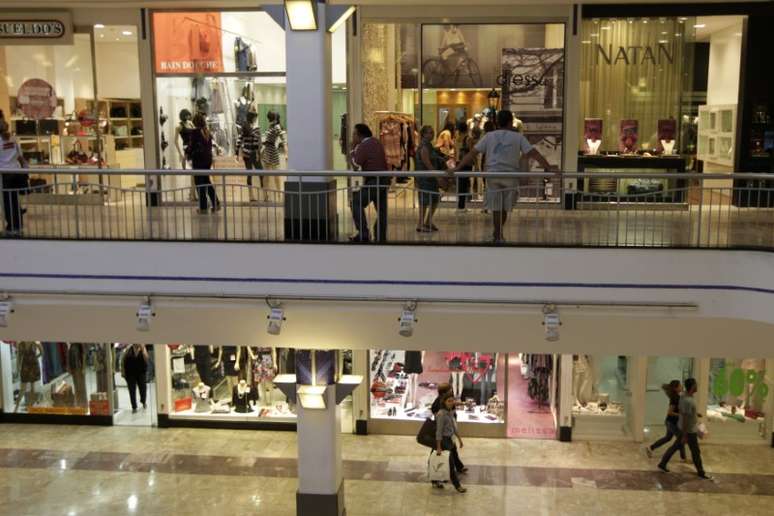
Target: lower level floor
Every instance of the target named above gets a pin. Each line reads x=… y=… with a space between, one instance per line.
x=78 y=470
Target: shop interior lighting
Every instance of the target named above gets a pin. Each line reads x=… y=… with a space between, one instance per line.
x=6 y=309
x=408 y=319
x=551 y=322
x=276 y=317
x=312 y=396
x=99 y=26
x=302 y=14
x=342 y=19
x=699 y=25
x=127 y=33
x=144 y=315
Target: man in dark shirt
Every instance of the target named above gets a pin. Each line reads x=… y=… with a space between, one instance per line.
x=368 y=156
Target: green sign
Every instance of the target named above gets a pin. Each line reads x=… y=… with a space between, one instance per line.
x=736 y=381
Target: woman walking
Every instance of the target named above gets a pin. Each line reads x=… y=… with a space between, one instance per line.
x=134 y=366
x=672 y=390
x=201 y=159
x=428 y=189
x=446 y=430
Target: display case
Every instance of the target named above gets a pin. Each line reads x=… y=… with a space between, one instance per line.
x=717 y=134
x=601 y=397
x=640 y=189
x=738 y=399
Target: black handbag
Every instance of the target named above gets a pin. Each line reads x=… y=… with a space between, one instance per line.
x=426 y=435
x=49 y=126
x=26 y=128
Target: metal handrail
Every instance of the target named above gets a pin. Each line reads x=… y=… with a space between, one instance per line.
x=392 y=173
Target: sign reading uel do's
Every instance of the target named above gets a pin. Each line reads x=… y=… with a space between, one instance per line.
x=634 y=55
x=32 y=29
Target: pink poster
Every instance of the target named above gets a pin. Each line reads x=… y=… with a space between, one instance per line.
x=627 y=139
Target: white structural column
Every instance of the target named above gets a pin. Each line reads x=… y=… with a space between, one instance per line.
x=309 y=97
x=310 y=202
x=320 y=480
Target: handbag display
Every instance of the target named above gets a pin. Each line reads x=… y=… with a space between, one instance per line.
x=26 y=128
x=426 y=435
x=438 y=467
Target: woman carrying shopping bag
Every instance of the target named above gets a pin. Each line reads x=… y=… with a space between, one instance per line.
x=446 y=430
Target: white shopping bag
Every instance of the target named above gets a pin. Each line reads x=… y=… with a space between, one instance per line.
x=438 y=467
x=703 y=432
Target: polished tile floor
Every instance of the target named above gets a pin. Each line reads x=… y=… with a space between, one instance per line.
x=94 y=471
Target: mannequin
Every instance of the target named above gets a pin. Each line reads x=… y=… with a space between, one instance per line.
x=668 y=146
x=29 y=371
x=101 y=362
x=582 y=382
x=243 y=398
x=413 y=368
x=202 y=356
x=264 y=371
x=202 y=398
x=227 y=355
x=75 y=366
x=593 y=146
x=244 y=358
x=457 y=362
x=485 y=364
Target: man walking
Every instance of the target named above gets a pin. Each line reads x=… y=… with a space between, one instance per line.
x=503 y=149
x=368 y=156
x=689 y=431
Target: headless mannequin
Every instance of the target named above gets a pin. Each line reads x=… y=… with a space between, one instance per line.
x=75 y=363
x=202 y=398
x=593 y=146
x=668 y=146
x=457 y=378
x=243 y=399
x=582 y=379
x=244 y=359
x=265 y=373
x=412 y=385
x=28 y=384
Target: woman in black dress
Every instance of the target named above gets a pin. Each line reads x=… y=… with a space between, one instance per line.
x=200 y=151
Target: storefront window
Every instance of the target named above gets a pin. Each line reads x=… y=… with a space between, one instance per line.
x=55 y=378
x=75 y=105
x=404 y=384
x=230 y=382
x=661 y=371
x=600 y=385
x=738 y=391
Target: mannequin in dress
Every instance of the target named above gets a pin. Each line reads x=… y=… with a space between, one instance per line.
x=264 y=371
x=202 y=356
x=28 y=363
x=457 y=362
x=413 y=368
x=76 y=358
x=244 y=359
x=583 y=381
x=243 y=397
x=227 y=355
x=668 y=146
x=593 y=146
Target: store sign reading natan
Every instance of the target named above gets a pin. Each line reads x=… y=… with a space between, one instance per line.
x=38 y=29
x=635 y=55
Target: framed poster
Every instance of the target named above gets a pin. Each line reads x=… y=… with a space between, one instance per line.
x=187 y=42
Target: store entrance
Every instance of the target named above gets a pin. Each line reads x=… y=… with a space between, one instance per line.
x=129 y=381
x=531 y=382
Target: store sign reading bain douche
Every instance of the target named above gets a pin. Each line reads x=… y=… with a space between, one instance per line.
x=634 y=55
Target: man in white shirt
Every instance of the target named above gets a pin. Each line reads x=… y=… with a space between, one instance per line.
x=503 y=149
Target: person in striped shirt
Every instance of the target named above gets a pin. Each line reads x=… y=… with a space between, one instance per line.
x=248 y=148
x=273 y=140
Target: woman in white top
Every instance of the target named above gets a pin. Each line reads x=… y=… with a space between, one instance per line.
x=11 y=158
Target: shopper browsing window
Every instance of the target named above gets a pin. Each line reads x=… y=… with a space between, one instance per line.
x=11 y=157
x=504 y=149
x=688 y=431
x=368 y=156
x=672 y=390
x=446 y=430
x=201 y=159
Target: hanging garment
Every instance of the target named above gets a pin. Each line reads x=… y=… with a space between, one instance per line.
x=29 y=367
x=413 y=362
x=216 y=100
x=263 y=367
x=390 y=136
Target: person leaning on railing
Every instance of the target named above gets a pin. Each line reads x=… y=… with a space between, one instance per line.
x=504 y=148
x=11 y=157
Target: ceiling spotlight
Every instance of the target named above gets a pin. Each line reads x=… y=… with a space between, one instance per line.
x=6 y=309
x=551 y=322
x=144 y=315
x=99 y=26
x=302 y=14
x=127 y=33
x=699 y=25
x=408 y=319
x=276 y=317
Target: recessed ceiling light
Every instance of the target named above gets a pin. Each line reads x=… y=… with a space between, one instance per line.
x=594 y=35
x=663 y=33
x=586 y=42
x=644 y=21
x=677 y=34
x=606 y=27
x=127 y=33
x=699 y=25
x=663 y=41
x=99 y=26
x=682 y=19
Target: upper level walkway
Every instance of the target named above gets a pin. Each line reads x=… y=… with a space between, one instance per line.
x=603 y=210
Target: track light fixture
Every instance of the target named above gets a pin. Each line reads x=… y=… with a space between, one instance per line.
x=408 y=319
x=551 y=322
x=6 y=309
x=144 y=315
x=276 y=317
